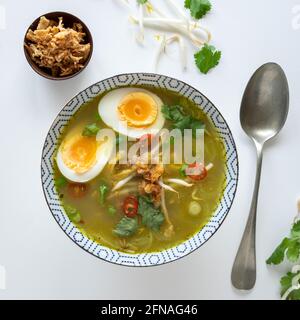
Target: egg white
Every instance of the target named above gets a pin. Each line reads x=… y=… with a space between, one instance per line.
x=108 y=111
x=103 y=155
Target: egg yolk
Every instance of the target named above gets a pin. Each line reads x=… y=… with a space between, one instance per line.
x=79 y=153
x=138 y=109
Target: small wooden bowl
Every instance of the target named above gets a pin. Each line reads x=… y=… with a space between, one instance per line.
x=68 y=20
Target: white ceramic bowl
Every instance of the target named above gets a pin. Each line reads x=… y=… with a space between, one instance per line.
x=144 y=259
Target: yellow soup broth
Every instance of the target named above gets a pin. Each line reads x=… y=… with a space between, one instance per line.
x=97 y=221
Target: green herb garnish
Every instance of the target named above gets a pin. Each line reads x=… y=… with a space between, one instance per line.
x=289 y=247
x=180 y=120
x=72 y=213
x=111 y=210
x=207 y=58
x=90 y=130
x=97 y=117
x=287 y=282
x=198 y=8
x=141 y=1
x=103 y=190
x=182 y=170
x=61 y=182
x=151 y=216
x=126 y=227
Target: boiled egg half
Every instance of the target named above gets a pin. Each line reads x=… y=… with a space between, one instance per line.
x=133 y=112
x=81 y=158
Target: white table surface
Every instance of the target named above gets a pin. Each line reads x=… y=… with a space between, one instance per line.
x=40 y=260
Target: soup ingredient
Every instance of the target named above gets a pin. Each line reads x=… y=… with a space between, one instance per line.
x=80 y=158
x=207 y=58
x=72 y=213
x=194 y=208
x=198 y=8
x=130 y=206
x=61 y=182
x=111 y=210
x=138 y=109
x=182 y=170
x=166 y=213
x=121 y=183
x=90 y=130
x=167 y=41
x=199 y=169
x=169 y=230
x=103 y=190
x=289 y=248
x=77 y=190
x=181 y=182
x=151 y=216
x=141 y=1
x=126 y=227
x=132 y=112
x=147 y=137
x=61 y=50
x=290 y=284
x=180 y=119
x=166 y=187
x=182 y=26
x=150 y=183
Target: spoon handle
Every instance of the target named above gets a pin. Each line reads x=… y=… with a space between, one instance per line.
x=243 y=275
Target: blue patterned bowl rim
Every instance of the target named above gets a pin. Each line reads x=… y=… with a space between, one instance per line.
x=143 y=259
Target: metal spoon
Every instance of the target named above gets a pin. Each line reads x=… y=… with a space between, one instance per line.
x=263 y=113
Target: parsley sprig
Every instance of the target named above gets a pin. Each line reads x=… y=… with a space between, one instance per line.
x=207 y=58
x=180 y=119
x=289 y=248
x=198 y=8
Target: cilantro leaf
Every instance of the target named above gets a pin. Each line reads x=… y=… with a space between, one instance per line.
x=61 y=182
x=207 y=58
x=182 y=169
x=289 y=246
x=198 y=8
x=90 y=130
x=72 y=213
x=278 y=254
x=103 y=190
x=151 y=216
x=180 y=120
x=293 y=251
x=286 y=283
x=97 y=117
x=126 y=227
x=111 y=210
x=295 y=232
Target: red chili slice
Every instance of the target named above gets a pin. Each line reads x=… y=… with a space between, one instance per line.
x=148 y=136
x=77 y=190
x=200 y=169
x=130 y=206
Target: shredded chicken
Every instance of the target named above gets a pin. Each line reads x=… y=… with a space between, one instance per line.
x=61 y=50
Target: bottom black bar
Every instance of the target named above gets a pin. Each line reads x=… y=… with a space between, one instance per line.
x=138 y=309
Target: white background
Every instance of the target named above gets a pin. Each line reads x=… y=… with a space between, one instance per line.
x=40 y=260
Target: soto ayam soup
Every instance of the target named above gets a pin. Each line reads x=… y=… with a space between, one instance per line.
x=133 y=204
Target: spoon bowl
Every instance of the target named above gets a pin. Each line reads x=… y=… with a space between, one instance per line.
x=264 y=106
